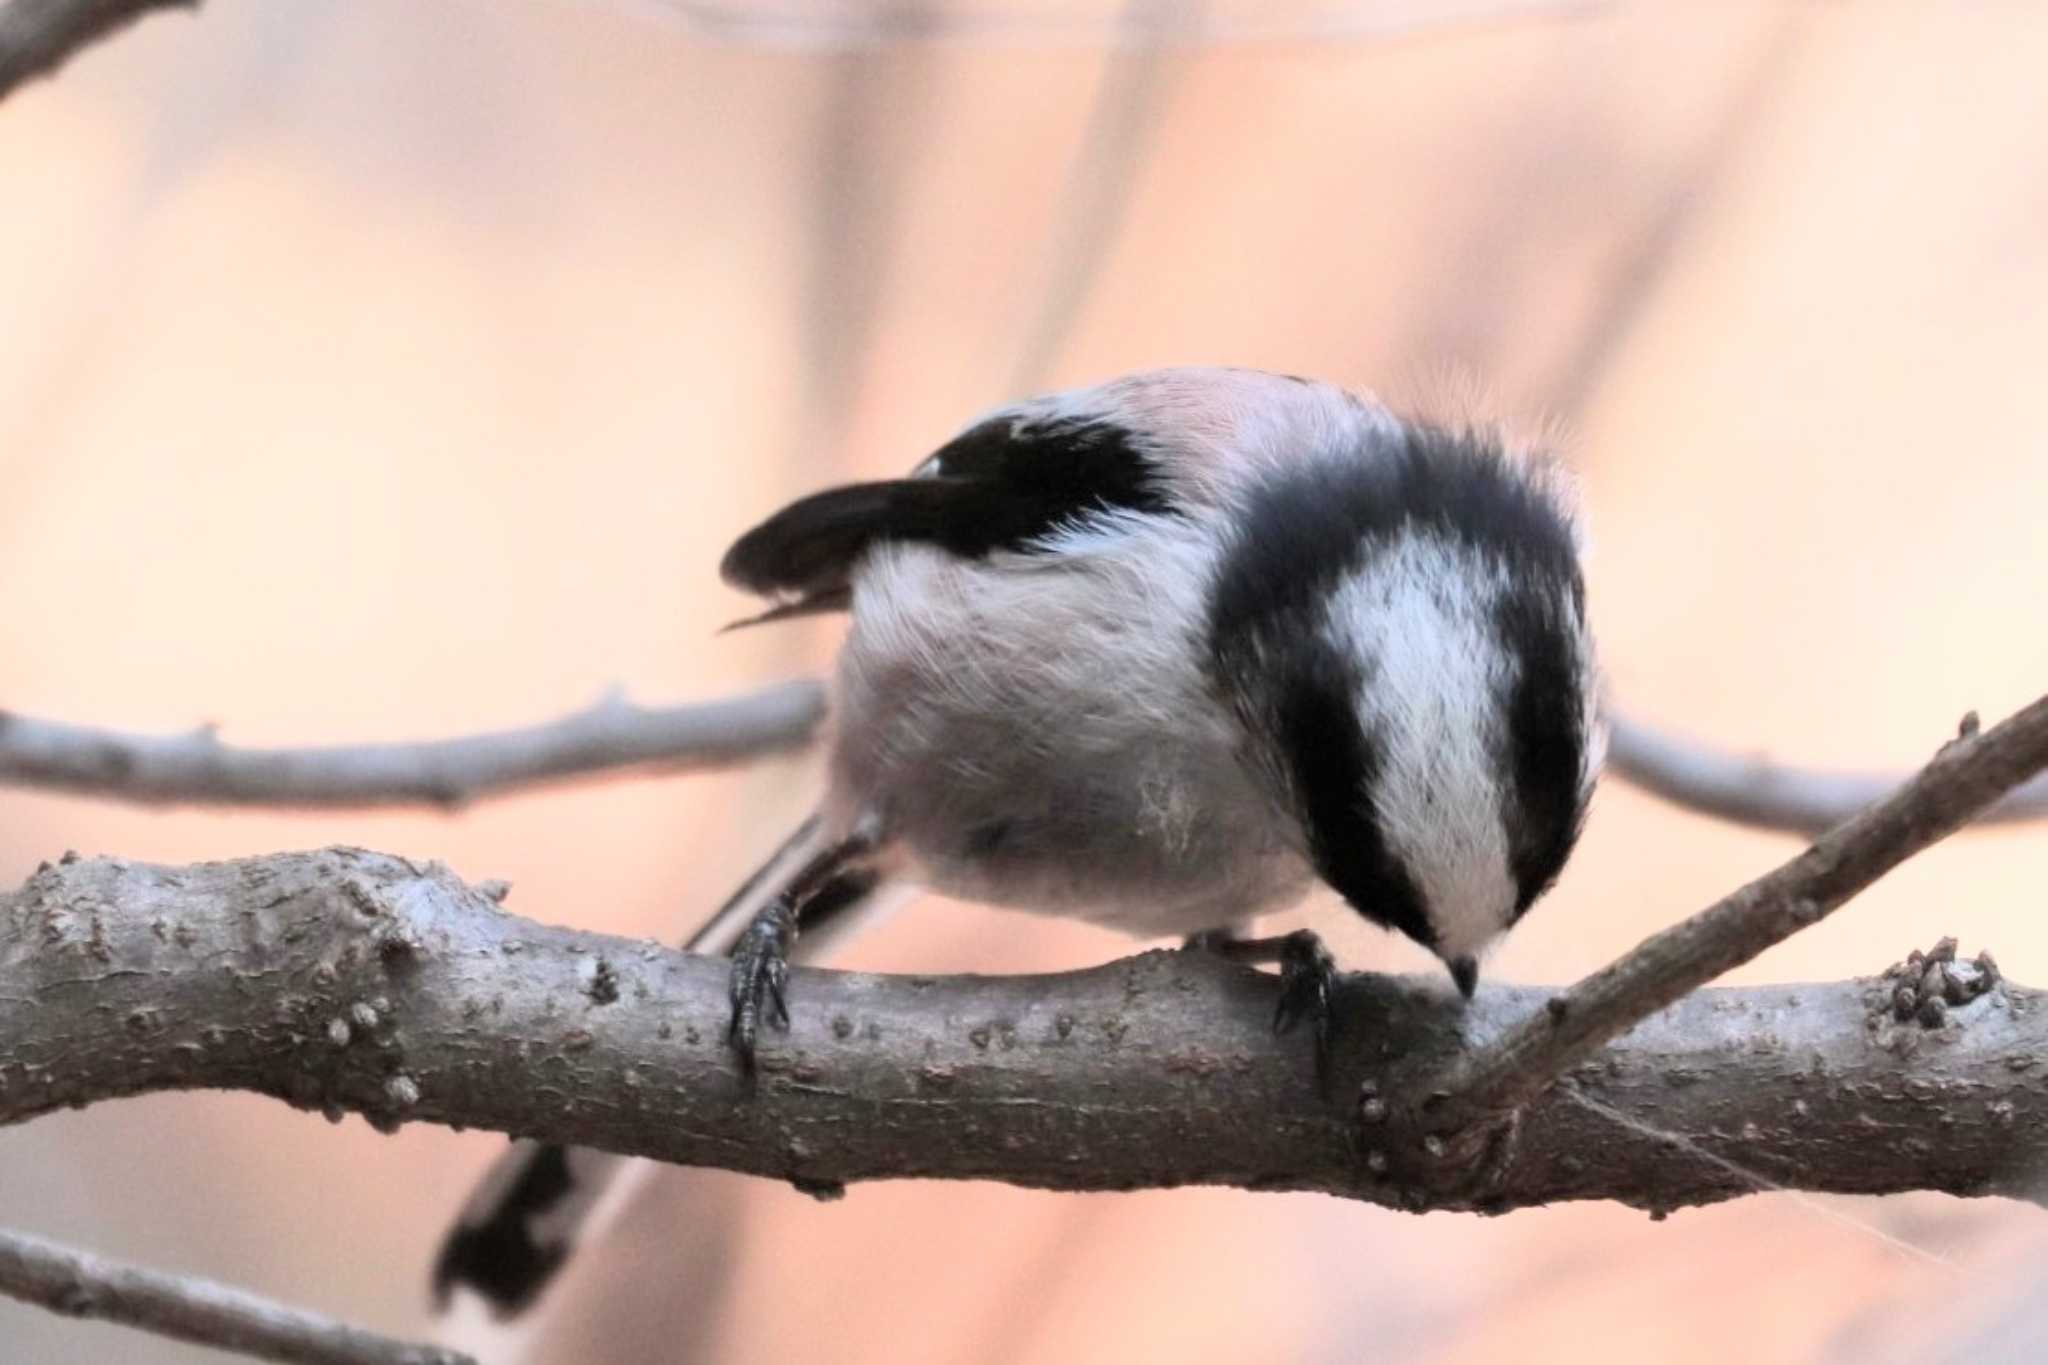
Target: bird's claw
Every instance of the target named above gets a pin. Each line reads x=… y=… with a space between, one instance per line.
x=1307 y=972
x=760 y=978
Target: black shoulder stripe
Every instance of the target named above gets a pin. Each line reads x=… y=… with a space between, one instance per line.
x=499 y=1258
x=1002 y=485
x=1030 y=478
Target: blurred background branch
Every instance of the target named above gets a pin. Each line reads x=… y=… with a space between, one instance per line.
x=1130 y=99
x=611 y=736
x=812 y=29
x=616 y=737
x=79 y=1284
x=1750 y=789
x=38 y=36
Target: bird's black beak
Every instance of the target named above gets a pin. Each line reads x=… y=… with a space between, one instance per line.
x=1465 y=972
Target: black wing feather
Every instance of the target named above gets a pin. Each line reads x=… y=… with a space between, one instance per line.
x=1002 y=485
x=808 y=547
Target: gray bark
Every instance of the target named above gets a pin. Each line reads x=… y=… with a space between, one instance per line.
x=356 y=982
x=615 y=736
x=81 y=1285
x=610 y=737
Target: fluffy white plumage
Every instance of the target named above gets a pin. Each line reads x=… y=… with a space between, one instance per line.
x=1034 y=732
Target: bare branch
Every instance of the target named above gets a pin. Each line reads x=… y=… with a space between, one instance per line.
x=1751 y=790
x=614 y=736
x=1968 y=775
x=611 y=736
x=356 y=982
x=81 y=1285
x=38 y=36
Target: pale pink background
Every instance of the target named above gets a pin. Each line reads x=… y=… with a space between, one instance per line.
x=402 y=367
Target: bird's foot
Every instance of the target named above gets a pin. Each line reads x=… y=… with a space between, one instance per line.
x=760 y=977
x=1307 y=973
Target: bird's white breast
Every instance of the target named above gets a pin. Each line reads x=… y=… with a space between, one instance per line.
x=1036 y=731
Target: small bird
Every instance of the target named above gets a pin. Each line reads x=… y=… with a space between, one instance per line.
x=1163 y=654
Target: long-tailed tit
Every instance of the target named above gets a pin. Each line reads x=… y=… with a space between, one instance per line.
x=1162 y=654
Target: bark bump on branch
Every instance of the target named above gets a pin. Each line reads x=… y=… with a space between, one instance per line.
x=356 y=982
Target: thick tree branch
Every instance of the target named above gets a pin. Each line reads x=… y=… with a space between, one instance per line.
x=38 y=36
x=196 y=767
x=81 y=1285
x=356 y=982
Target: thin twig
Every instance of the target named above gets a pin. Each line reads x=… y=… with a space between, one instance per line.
x=81 y=1285
x=1752 y=790
x=610 y=736
x=1966 y=777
